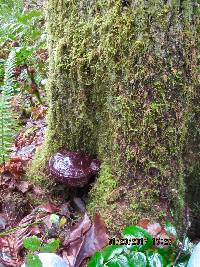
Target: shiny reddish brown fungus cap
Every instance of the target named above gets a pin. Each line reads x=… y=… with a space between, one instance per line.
x=73 y=168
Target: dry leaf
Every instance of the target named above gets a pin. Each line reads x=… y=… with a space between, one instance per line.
x=84 y=242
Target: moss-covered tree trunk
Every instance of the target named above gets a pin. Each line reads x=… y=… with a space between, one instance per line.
x=123 y=76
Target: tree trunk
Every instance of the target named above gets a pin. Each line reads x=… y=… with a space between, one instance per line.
x=122 y=79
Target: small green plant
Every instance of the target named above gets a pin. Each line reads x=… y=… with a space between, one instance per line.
x=146 y=254
x=35 y=245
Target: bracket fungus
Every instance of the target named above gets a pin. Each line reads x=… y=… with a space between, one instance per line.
x=73 y=168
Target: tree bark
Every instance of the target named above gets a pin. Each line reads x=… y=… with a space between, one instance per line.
x=123 y=77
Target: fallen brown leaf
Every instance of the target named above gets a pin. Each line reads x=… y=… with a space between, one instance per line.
x=144 y=223
x=83 y=242
x=49 y=208
x=23 y=186
x=38 y=190
x=154 y=229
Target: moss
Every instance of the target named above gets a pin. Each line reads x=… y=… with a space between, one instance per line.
x=124 y=205
x=122 y=81
x=36 y=170
x=35 y=201
x=103 y=189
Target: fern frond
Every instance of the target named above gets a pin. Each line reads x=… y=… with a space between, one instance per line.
x=8 y=125
x=9 y=74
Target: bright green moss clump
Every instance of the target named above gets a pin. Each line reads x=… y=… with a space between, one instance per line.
x=102 y=191
x=122 y=82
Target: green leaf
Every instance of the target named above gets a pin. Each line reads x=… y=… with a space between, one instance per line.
x=96 y=260
x=112 y=256
x=170 y=229
x=137 y=232
x=111 y=251
x=137 y=259
x=33 y=261
x=183 y=261
x=52 y=246
x=168 y=253
x=188 y=246
x=119 y=261
x=23 y=54
x=32 y=243
x=24 y=18
x=154 y=260
x=62 y=222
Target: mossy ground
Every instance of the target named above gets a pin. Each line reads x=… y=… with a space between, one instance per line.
x=122 y=83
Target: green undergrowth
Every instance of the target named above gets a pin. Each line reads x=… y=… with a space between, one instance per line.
x=132 y=250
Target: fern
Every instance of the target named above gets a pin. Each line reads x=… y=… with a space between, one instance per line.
x=8 y=123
